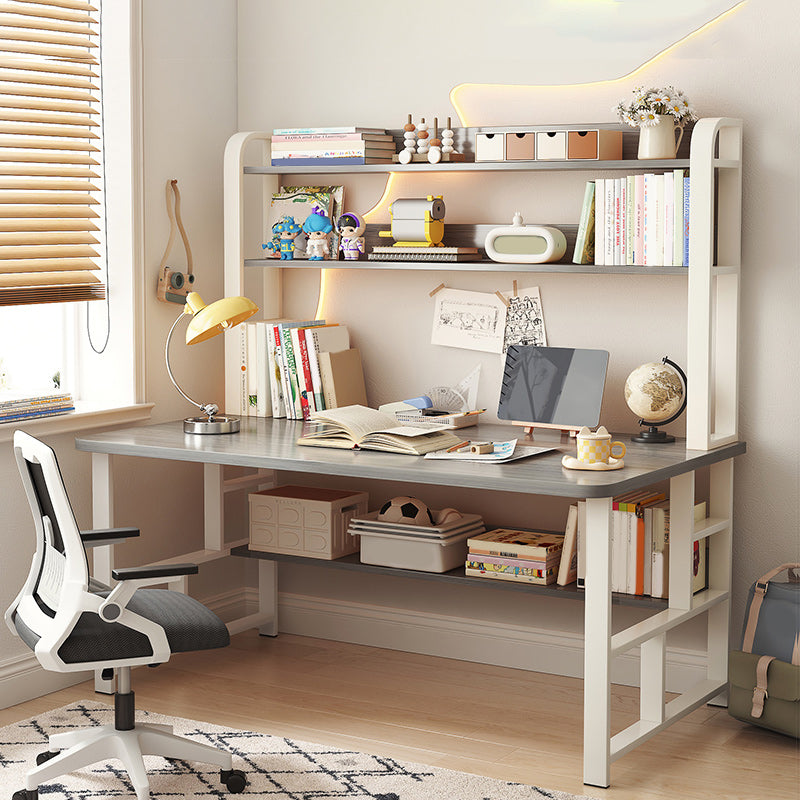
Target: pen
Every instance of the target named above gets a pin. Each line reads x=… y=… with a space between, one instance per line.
x=457 y=447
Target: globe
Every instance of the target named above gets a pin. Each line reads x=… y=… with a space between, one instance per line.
x=655 y=392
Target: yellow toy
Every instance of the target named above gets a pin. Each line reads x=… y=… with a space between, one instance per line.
x=416 y=222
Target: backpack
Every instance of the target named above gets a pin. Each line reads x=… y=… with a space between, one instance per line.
x=764 y=676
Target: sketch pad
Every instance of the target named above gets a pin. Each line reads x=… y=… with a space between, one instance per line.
x=556 y=386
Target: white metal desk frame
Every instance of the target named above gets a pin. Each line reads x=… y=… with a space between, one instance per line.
x=600 y=748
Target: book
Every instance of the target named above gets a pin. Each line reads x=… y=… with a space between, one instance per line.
x=686 y=206
x=658 y=219
x=263 y=388
x=332 y=153
x=275 y=368
x=599 y=222
x=244 y=399
x=648 y=221
x=568 y=566
x=581 y=546
x=342 y=378
x=323 y=339
x=305 y=391
x=314 y=147
x=325 y=130
x=482 y=566
x=669 y=218
x=584 y=241
x=610 y=221
x=252 y=368
x=331 y=137
x=678 y=229
x=284 y=356
x=357 y=427
x=510 y=543
x=638 y=220
x=529 y=564
x=27 y=402
x=618 y=221
x=505 y=576
x=330 y=161
x=47 y=411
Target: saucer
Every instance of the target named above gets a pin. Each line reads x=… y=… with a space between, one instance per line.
x=572 y=463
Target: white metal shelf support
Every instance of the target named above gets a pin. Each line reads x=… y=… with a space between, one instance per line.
x=713 y=294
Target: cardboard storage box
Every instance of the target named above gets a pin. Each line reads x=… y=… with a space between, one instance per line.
x=551 y=145
x=490 y=146
x=598 y=145
x=305 y=521
x=520 y=146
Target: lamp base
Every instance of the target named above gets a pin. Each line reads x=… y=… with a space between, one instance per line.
x=205 y=425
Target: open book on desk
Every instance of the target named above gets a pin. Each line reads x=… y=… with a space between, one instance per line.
x=362 y=428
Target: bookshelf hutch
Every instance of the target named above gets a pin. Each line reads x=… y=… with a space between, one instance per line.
x=713 y=287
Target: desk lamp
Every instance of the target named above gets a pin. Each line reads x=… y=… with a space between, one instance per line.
x=208 y=321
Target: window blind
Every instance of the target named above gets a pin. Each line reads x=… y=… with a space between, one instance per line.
x=50 y=146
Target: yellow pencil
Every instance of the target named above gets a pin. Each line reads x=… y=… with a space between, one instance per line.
x=457 y=447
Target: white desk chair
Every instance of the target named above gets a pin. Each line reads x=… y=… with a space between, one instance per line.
x=74 y=623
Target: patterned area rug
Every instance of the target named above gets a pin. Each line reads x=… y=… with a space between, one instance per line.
x=276 y=768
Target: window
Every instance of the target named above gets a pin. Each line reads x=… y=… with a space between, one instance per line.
x=57 y=140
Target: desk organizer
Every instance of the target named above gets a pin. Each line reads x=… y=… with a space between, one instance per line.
x=305 y=521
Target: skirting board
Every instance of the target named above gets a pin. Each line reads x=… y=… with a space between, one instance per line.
x=534 y=649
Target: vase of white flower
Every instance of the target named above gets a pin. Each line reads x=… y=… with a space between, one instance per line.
x=659 y=114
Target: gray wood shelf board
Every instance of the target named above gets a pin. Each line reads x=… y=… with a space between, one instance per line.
x=454 y=576
x=271 y=444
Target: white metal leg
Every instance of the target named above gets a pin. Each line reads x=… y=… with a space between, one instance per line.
x=214 y=506
x=268 y=596
x=597 y=644
x=102 y=517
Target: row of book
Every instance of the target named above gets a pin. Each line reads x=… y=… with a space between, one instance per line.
x=640 y=545
x=290 y=368
x=18 y=408
x=639 y=549
x=322 y=147
x=638 y=220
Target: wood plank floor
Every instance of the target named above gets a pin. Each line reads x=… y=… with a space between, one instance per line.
x=505 y=723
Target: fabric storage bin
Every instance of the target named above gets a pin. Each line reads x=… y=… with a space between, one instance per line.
x=414 y=552
x=305 y=521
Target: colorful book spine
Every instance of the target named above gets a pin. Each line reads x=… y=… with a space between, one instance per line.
x=486 y=571
x=630 y=216
x=610 y=217
x=244 y=400
x=669 y=218
x=686 y=221
x=525 y=564
x=330 y=162
x=332 y=152
x=323 y=130
x=330 y=137
x=677 y=243
x=275 y=368
x=313 y=365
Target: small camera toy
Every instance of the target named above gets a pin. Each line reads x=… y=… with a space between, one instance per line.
x=173 y=286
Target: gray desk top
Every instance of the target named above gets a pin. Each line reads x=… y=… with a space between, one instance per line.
x=270 y=444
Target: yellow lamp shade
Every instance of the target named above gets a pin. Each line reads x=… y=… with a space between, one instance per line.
x=208 y=321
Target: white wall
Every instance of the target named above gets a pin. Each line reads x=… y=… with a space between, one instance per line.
x=382 y=62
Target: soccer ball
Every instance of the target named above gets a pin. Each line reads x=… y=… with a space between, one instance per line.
x=406 y=511
x=447 y=516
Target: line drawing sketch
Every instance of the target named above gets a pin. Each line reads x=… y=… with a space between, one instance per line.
x=470 y=320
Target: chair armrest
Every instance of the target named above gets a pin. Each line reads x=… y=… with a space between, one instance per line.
x=160 y=571
x=96 y=538
x=132 y=578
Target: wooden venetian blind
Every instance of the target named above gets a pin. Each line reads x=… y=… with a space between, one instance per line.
x=49 y=152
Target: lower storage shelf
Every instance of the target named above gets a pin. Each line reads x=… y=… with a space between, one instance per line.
x=455 y=576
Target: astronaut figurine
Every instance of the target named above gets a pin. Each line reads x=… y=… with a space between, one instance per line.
x=351 y=227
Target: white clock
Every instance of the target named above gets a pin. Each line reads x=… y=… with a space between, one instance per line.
x=525 y=244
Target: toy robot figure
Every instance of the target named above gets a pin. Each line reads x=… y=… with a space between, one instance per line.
x=352 y=228
x=318 y=228
x=287 y=230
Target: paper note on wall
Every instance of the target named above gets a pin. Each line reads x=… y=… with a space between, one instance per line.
x=525 y=319
x=470 y=320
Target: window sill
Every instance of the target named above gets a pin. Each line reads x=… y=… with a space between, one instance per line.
x=84 y=417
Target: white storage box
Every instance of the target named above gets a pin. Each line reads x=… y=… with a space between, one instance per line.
x=406 y=552
x=305 y=521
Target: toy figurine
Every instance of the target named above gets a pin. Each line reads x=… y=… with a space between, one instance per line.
x=352 y=228
x=318 y=228
x=287 y=231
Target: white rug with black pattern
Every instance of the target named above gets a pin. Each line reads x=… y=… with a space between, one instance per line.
x=276 y=768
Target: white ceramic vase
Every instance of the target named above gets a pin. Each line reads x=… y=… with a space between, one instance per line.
x=659 y=141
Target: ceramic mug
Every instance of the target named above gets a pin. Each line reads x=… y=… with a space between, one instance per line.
x=597 y=447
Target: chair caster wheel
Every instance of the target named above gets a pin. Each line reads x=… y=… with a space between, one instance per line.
x=234 y=779
x=46 y=756
x=26 y=794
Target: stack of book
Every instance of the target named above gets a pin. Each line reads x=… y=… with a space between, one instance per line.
x=330 y=147
x=638 y=220
x=291 y=368
x=514 y=555
x=18 y=408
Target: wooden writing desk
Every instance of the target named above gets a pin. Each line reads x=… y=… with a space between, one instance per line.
x=267 y=444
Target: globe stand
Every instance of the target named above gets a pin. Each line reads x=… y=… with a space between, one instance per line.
x=653 y=435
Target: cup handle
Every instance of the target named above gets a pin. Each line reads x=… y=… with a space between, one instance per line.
x=618 y=444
